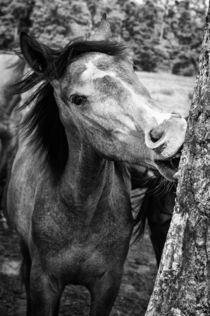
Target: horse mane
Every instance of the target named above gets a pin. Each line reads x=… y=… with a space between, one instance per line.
x=42 y=124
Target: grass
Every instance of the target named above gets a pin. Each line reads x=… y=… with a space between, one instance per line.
x=173 y=92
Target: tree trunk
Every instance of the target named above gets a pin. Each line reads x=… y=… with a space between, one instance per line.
x=162 y=23
x=182 y=286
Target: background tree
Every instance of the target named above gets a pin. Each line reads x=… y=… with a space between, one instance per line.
x=164 y=34
x=183 y=283
x=113 y=11
x=141 y=31
x=55 y=22
x=186 y=24
x=14 y=14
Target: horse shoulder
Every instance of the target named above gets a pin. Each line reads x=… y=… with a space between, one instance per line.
x=24 y=178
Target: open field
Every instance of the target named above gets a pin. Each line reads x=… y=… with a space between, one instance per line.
x=140 y=267
x=173 y=91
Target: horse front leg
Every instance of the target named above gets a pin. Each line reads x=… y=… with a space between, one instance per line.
x=104 y=292
x=25 y=272
x=45 y=292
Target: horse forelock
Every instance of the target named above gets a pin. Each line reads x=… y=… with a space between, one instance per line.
x=77 y=48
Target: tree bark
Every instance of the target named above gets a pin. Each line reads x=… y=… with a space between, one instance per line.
x=182 y=285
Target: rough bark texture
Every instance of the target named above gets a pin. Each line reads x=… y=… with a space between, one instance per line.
x=183 y=282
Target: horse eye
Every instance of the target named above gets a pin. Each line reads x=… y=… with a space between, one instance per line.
x=78 y=99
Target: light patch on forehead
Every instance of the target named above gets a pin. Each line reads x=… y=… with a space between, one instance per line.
x=92 y=72
x=149 y=115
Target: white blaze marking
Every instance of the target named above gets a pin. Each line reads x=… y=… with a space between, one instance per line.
x=92 y=72
x=148 y=117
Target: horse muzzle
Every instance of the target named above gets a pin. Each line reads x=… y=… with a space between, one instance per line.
x=166 y=139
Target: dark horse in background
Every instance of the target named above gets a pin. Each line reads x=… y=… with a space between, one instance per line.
x=69 y=191
x=153 y=200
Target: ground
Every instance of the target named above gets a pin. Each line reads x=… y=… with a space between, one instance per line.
x=140 y=266
x=174 y=92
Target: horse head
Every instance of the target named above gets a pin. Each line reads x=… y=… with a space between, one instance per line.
x=99 y=96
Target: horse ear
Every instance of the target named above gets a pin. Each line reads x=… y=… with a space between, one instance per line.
x=103 y=32
x=34 y=53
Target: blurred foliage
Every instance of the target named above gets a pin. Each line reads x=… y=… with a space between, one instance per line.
x=55 y=22
x=14 y=15
x=113 y=10
x=164 y=34
x=139 y=29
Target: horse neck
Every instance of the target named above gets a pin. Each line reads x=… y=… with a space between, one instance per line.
x=87 y=176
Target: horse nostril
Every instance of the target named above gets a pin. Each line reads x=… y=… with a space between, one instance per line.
x=155 y=135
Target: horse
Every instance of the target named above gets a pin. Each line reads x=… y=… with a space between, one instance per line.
x=11 y=70
x=69 y=191
x=155 y=206
x=153 y=201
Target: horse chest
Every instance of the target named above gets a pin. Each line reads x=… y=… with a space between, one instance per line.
x=58 y=226
x=79 y=242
